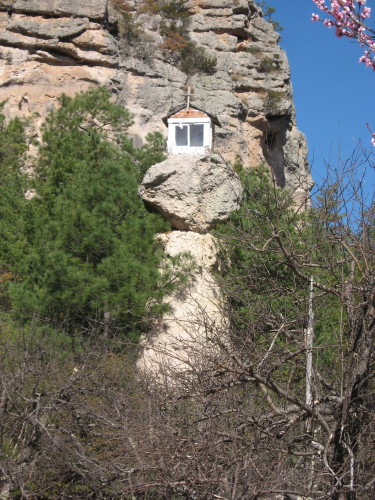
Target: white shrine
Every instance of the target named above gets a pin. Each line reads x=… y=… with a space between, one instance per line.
x=190 y=130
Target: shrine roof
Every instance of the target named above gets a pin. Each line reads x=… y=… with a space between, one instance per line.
x=186 y=113
x=189 y=113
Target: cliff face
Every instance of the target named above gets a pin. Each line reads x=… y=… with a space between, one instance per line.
x=48 y=47
x=52 y=47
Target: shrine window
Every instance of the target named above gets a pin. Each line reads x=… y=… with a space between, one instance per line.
x=189 y=135
x=182 y=135
x=196 y=136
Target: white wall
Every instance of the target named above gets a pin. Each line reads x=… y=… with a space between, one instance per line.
x=207 y=135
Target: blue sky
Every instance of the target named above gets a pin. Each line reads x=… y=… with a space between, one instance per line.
x=334 y=94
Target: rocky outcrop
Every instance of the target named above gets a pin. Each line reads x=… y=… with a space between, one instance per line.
x=192 y=192
x=186 y=335
x=48 y=47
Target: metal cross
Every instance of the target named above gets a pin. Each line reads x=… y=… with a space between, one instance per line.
x=188 y=95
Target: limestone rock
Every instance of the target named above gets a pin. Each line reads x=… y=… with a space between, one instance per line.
x=50 y=48
x=186 y=334
x=298 y=179
x=202 y=248
x=54 y=45
x=100 y=41
x=250 y=88
x=94 y=9
x=46 y=28
x=192 y=192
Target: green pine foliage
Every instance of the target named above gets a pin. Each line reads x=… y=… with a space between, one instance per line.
x=13 y=147
x=195 y=59
x=91 y=261
x=152 y=152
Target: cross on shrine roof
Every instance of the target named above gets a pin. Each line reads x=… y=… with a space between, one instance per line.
x=188 y=95
x=186 y=112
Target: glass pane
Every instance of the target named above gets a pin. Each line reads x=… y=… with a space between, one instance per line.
x=181 y=136
x=196 y=136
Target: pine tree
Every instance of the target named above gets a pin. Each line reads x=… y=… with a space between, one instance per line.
x=13 y=147
x=92 y=259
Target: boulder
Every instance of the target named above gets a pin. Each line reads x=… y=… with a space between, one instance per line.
x=192 y=192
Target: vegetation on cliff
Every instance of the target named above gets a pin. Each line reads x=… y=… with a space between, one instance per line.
x=173 y=20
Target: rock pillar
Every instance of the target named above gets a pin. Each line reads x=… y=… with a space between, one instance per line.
x=194 y=193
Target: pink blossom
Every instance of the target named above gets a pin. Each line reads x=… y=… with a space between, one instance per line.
x=347 y=16
x=366 y=12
